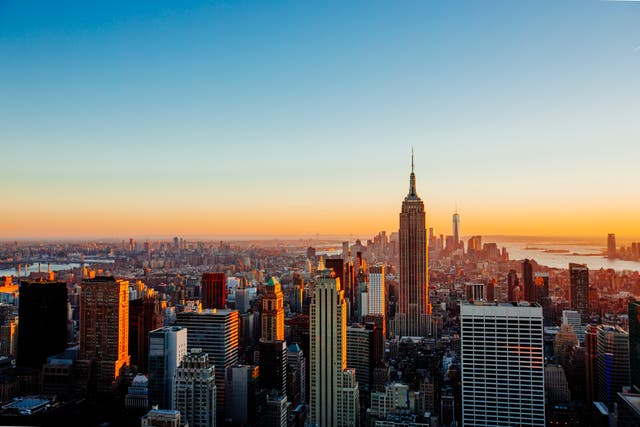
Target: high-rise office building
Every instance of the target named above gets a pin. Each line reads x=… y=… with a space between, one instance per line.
x=216 y=333
x=42 y=326
x=456 y=229
x=612 y=365
x=591 y=362
x=377 y=292
x=512 y=285
x=272 y=316
x=541 y=281
x=579 y=283
x=297 y=380
x=502 y=364
x=273 y=366
x=341 y=273
x=634 y=344
x=413 y=314
x=167 y=348
x=214 y=290
x=276 y=411
x=145 y=315
x=242 y=393
x=360 y=354
x=611 y=246
x=570 y=317
x=530 y=292
x=297 y=291
x=194 y=390
x=332 y=384
x=104 y=328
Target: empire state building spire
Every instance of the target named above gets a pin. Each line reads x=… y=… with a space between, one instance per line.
x=412 y=181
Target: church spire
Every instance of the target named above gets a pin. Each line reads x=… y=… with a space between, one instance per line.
x=412 y=178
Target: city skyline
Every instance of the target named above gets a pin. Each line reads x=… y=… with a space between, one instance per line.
x=129 y=120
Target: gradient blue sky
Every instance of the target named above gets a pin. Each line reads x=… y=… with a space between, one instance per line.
x=253 y=117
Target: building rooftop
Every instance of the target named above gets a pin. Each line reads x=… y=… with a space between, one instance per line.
x=294 y=348
x=26 y=405
x=100 y=279
x=218 y=311
x=632 y=400
x=502 y=304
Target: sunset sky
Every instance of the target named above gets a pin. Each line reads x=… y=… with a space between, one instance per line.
x=212 y=118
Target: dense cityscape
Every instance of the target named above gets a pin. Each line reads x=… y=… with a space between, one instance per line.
x=316 y=333
x=286 y=213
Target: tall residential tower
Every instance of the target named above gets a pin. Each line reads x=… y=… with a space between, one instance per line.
x=104 y=328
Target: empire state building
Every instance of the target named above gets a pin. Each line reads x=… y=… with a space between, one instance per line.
x=413 y=313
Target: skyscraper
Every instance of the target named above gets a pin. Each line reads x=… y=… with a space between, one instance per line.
x=214 y=290
x=42 y=326
x=297 y=382
x=273 y=366
x=194 y=390
x=377 y=292
x=378 y=297
x=104 y=328
x=360 y=354
x=413 y=314
x=611 y=246
x=145 y=315
x=512 y=284
x=530 y=294
x=579 y=282
x=216 y=333
x=334 y=390
x=242 y=393
x=502 y=364
x=167 y=348
x=272 y=316
x=634 y=344
x=612 y=364
x=456 y=229
x=590 y=362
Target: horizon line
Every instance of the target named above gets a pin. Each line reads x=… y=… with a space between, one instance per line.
x=286 y=237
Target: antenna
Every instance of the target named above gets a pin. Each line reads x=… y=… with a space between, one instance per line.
x=412 y=159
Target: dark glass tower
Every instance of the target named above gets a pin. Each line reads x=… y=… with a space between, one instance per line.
x=530 y=292
x=579 y=278
x=214 y=290
x=42 y=328
x=634 y=344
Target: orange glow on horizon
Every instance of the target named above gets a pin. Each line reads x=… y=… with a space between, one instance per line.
x=366 y=220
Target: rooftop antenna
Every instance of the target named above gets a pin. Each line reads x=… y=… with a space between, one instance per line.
x=412 y=159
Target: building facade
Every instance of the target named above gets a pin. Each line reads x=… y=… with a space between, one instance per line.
x=612 y=363
x=216 y=333
x=194 y=390
x=167 y=348
x=214 y=290
x=331 y=382
x=502 y=364
x=104 y=328
x=579 y=284
x=272 y=315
